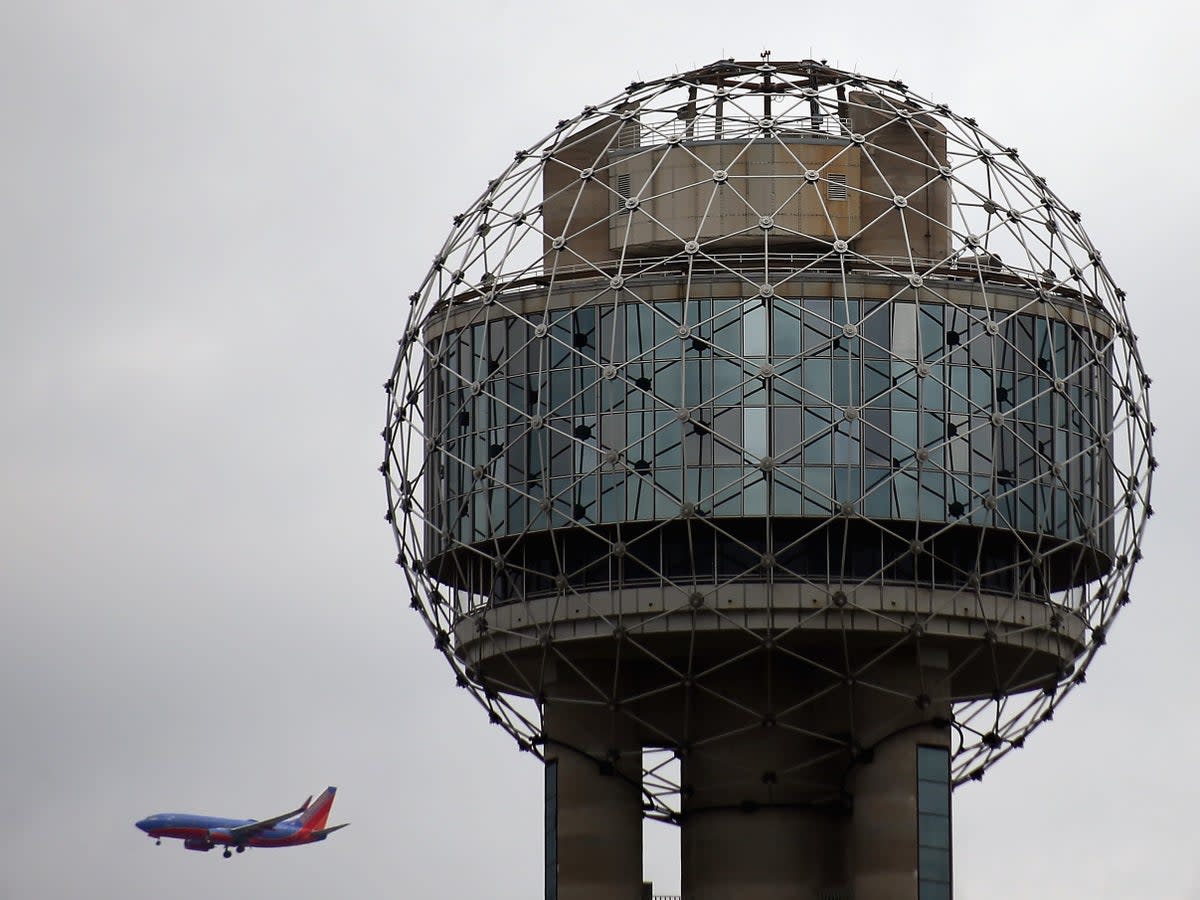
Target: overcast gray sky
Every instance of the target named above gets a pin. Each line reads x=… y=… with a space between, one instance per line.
x=210 y=216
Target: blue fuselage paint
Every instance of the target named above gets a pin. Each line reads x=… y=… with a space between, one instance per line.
x=215 y=830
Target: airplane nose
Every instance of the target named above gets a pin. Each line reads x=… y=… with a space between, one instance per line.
x=144 y=824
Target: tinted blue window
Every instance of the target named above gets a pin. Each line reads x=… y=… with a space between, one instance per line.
x=935 y=829
x=933 y=823
x=552 y=830
x=491 y=378
x=934 y=864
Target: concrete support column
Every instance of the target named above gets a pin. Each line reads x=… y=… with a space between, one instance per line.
x=882 y=834
x=755 y=828
x=767 y=854
x=921 y=229
x=599 y=833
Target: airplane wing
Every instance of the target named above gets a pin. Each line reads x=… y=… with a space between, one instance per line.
x=245 y=832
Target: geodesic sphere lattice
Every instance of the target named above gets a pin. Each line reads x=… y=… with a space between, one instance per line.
x=783 y=354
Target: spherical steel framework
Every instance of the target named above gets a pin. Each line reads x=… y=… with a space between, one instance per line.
x=776 y=370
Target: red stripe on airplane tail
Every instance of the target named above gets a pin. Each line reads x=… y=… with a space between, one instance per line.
x=315 y=817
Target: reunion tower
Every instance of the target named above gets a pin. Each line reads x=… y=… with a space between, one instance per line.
x=768 y=451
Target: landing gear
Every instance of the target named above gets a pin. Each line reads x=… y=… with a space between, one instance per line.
x=158 y=842
x=228 y=853
x=241 y=848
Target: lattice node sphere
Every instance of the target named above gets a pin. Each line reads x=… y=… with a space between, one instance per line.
x=767 y=398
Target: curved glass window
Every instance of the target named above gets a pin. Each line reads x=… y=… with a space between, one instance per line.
x=792 y=407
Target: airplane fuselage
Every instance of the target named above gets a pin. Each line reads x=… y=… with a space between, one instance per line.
x=305 y=825
x=197 y=831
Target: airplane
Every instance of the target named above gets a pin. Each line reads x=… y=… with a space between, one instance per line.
x=304 y=825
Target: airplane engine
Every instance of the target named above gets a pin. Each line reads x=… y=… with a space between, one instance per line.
x=198 y=844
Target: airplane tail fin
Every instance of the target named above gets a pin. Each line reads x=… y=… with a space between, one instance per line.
x=313 y=818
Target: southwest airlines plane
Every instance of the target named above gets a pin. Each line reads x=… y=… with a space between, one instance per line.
x=300 y=826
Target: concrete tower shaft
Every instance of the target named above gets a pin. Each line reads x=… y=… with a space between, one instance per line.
x=775 y=420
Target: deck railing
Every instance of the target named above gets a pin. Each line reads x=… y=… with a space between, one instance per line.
x=773 y=265
x=635 y=134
